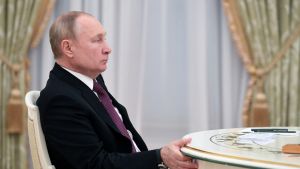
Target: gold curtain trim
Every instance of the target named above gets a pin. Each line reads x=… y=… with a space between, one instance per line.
x=238 y=34
x=13 y=67
x=256 y=74
x=241 y=42
x=41 y=22
x=280 y=55
x=6 y=62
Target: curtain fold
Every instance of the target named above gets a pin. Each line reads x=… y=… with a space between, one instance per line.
x=272 y=31
x=17 y=19
x=294 y=93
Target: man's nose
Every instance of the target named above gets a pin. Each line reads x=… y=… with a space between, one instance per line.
x=107 y=49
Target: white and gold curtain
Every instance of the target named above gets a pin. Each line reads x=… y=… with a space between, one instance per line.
x=21 y=25
x=266 y=33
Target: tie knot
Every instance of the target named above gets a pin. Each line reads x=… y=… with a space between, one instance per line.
x=98 y=88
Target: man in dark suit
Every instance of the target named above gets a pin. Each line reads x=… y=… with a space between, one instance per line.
x=84 y=126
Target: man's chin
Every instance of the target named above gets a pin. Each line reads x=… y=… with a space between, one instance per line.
x=102 y=69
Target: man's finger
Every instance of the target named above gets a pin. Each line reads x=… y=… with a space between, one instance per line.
x=183 y=141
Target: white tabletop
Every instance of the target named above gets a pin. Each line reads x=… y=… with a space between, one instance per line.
x=225 y=146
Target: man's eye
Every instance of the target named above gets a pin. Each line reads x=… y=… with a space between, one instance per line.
x=98 y=40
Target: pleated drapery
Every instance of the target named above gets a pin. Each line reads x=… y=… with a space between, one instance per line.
x=19 y=24
x=267 y=33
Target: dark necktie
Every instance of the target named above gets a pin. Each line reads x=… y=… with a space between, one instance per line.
x=107 y=103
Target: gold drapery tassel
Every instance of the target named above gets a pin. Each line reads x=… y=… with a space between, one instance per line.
x=14 y=109
x=260 y=116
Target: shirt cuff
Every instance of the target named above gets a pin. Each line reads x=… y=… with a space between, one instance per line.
x=160 y=163
x=158 y=157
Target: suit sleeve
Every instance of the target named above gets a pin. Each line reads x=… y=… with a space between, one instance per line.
x=73 y=143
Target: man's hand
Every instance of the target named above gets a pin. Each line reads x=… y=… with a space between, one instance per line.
x=174 y=159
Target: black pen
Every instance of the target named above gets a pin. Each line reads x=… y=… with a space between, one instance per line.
x=274 y=130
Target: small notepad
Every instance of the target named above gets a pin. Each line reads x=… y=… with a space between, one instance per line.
x=291 y=148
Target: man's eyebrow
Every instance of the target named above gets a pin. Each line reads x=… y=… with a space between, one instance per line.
x=100 y=35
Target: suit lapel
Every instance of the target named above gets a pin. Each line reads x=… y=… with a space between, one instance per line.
x=87 y=94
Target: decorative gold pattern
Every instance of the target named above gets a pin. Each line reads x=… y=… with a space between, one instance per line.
x=243 y=158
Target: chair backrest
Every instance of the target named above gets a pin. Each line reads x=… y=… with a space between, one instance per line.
x=38 y=148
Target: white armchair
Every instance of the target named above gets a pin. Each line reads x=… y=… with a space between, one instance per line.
x=38 y=148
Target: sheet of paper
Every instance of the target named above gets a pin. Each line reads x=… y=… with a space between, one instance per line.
x=260 y=138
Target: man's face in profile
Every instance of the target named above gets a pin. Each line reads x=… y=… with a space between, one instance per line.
x=90 y=49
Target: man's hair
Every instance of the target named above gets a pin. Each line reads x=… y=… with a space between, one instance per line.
x=63 y=28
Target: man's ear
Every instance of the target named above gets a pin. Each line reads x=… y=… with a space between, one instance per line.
x=66 y=47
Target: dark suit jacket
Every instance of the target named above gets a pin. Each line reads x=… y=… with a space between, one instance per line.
x=80 y=134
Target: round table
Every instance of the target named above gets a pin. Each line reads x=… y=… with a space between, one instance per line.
x=241 y=148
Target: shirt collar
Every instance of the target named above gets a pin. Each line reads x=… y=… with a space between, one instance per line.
x=85 y=79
